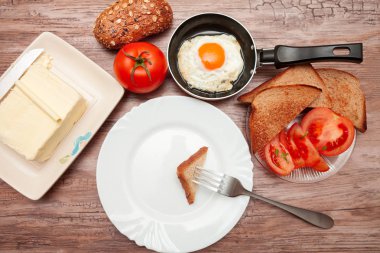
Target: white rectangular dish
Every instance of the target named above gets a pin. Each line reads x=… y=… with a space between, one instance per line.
x=102 y=93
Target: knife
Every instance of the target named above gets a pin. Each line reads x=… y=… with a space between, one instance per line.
x=18 y=70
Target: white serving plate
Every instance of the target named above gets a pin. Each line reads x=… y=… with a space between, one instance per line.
x=101 y=91
x=137 y=182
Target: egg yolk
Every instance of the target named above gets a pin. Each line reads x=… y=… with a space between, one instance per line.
x=212 y=55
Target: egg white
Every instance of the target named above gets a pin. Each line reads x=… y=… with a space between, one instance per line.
x=198 y=76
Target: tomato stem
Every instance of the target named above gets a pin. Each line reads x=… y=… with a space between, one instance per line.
x=139 y=62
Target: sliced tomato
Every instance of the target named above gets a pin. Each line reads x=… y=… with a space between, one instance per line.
x=278 y=158
x=305 y=148
x=330 y=133
x=292 y=148
x=321 y=165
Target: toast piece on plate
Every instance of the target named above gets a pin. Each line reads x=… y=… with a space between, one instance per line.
x=300 y=74
x=185 y=173
x=274 y=108
x=348 y=99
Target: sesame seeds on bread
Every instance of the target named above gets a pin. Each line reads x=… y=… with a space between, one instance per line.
x=127 y=21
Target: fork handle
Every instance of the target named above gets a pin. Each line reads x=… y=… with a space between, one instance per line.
x=317 y=219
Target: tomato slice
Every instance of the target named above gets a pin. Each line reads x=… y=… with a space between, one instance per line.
x=305 y=148
x=321 y=165
x=278 y=158
x=330 y=133
x=292 y=148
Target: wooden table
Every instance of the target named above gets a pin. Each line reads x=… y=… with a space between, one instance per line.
x=70 y=218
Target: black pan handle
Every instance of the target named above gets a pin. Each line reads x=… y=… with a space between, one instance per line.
x=283 y=56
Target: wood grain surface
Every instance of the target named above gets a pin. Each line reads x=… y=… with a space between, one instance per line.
x=70 y=218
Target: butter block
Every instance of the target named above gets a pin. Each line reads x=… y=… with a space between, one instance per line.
x=39 y=111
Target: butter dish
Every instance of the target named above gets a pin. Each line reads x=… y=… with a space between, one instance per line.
x=39 y=111
x=89 y=83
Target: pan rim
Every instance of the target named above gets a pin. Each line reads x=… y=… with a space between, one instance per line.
x=252 y=71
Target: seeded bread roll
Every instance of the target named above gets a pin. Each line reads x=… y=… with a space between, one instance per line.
x=128 y=21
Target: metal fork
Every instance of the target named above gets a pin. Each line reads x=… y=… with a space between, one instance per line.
x=232 y=187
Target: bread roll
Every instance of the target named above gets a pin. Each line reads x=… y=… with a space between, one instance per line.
x=128 y=21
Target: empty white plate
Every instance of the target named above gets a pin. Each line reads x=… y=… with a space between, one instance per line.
x=136 y=174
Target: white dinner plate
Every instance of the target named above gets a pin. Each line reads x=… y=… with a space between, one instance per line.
x=102 y=93
x=137 y=182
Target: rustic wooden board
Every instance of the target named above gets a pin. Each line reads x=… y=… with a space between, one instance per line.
x=70 y=217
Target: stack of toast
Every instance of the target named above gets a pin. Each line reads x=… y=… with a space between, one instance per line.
x=276 y=102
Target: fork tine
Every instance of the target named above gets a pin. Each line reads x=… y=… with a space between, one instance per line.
x=202 y=183
x=207 y=181
x=199 y=174
x=212 y=173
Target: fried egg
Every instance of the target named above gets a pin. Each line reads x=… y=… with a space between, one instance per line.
x=210 y=62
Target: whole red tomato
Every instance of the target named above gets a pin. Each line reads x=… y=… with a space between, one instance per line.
x=140 y=67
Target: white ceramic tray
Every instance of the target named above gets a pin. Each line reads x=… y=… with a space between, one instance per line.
x=101 y=91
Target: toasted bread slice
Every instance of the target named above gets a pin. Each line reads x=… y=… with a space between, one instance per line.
x=300 y=74
x=274 y=108
x=348 y=99
x=185 y=173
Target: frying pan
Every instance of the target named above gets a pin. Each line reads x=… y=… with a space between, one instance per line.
x=280 y=56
